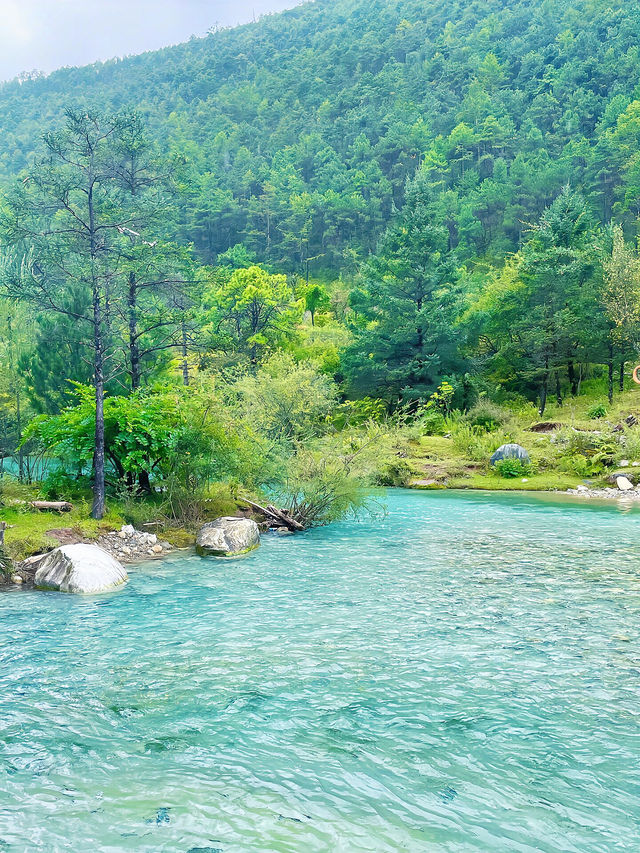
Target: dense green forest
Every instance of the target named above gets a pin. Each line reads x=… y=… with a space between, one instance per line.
x=300 y=131
x=243 y=247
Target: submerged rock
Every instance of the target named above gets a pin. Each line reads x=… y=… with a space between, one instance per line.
x=80 y=569
x=228 y=537
x=510 y=451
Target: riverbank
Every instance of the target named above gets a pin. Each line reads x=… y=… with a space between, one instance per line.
x=584 y=444
x=580 y=449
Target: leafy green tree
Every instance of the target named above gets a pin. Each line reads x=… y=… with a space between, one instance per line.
x=620 y=298
x=66 y=224
x=251 y=310
x=540 y=316
x=316 y=298
x=285 y=401
x=404 y=330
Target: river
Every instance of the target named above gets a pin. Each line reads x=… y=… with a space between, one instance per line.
x=459 y=675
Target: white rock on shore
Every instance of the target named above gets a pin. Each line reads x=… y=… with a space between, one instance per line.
x=605 y=494
x=228 y=537
x=80 y=569
x=624 y=484
x=129 y=545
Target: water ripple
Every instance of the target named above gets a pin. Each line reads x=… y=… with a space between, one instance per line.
x=462 y=675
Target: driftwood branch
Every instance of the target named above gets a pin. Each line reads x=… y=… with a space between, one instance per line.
x=52 y=506
x=280 y=516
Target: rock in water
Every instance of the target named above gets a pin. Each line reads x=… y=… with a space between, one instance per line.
x=228 y=537
x=624 y=484
x=510 y=451
x=80 y=569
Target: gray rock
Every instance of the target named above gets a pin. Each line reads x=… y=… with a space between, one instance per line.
x=624 y=484
x=80 y=569
x=632 y=477
x=510 y=451
x=228 y=537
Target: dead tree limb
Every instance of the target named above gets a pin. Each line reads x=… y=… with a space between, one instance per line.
x=281 y=516
x=52 y=506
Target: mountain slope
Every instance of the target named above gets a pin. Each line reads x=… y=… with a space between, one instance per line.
x=302 y=129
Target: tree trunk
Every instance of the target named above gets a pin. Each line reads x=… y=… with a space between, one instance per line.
x=19 y=428
x=185 y=353
x=543 y=393
x=97 y=509
x=573 y=379
x=144 y=483
x=134 y=350
x=558 y=389
x=544 y=386
x=622 y=366
x=610 y=366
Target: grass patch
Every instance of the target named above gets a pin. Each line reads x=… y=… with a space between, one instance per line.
x=26 y=532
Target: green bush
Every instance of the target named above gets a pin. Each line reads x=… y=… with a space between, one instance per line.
x=487 y=416
x=393 y=473
x=600 y=451
x=597 y=411
x=432 y=422
x=286 y=401
x=318 y=491
x=353 y=413
x=512 y=468
x=59 y=485
x=474 y=443
x=576 y=464
x=631 y=443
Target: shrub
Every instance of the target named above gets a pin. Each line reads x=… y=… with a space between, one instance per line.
x=576 y=464
x=512 y=468
x=597 y=411
x=286 y=401
x=442 y=398
x=487 y=416
x=59 y=485
x=318 y=491
x=474 y=443
x=432 y=422
x=601 y=451
x=358 y=412
x=631 y=441
x=393 y=473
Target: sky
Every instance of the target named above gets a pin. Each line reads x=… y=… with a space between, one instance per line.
x=42 y=35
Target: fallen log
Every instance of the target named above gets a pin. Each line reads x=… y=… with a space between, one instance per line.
x=52 y=506
x=282 y=517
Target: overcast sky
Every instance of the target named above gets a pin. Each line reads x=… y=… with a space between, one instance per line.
x=46 y=34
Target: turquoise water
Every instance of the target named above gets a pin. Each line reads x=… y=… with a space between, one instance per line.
x=461 y=675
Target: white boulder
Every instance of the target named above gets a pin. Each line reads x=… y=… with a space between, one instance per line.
x=228 y=537
x=624 y=484
x=80 y=569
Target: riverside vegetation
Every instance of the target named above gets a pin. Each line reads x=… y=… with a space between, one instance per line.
x=296 y=275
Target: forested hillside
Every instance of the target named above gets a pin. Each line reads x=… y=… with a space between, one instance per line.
x=301 y=130
x=233 y=261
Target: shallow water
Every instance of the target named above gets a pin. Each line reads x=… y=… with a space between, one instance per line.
x=462 y=675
